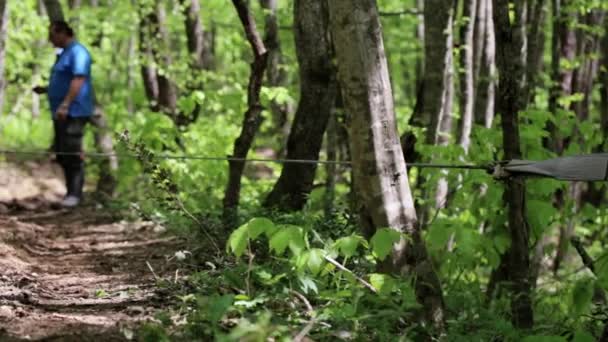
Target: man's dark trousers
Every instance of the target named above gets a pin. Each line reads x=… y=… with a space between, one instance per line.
x=68 y=139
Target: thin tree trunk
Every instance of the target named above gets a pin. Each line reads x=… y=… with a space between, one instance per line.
x=4 y=16
x=53 y=9
x=467 y=78
x=131 y=55
x=331 y=170
x=486 y=82
x=276 y=76
x=438 y=18
x=380 y=174
x=252 y=118
x=198 y=46
x=604 y=87
x=565 y=40
x=317 y=98
x=536 y=44
x=582 y=82
x=479 y=37
x=102 y=134
x=510 y=61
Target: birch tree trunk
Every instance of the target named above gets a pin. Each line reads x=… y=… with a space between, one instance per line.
x=317 y=97
x=4 y=16
x=486 y=82
x=510 y=101
x=467 y=77
x=379 y=169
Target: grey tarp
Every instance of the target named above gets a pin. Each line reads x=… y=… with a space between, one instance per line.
x=591 y=167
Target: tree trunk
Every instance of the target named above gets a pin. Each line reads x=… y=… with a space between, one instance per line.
x=252 y=119
x=4 y=17
x=317 y=98
x=582 y=83
x=438 y=19
x=536 y=46
x=564 y=46
x=467 y=77
x=486 y=83
x=604 y=87
x=276 y=76
x=198 y=46
x=379 y=168
x=331 y=170
x=53 y=9
x=511 y=68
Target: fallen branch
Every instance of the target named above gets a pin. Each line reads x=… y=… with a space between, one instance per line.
x=342 y=268
x=311 y=312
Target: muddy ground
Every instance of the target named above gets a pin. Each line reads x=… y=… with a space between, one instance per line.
x=73 y=275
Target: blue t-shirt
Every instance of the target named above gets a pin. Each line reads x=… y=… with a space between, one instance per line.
x=74 y=60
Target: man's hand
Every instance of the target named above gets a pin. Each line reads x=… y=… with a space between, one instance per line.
x=40 y=90
x=62 y=111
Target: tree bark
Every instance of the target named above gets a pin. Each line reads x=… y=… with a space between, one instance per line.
x=252 y=118
x=317 y=97
x=536 y=45
x=486 y=82
x=510 y=101
x=438 y=19
x=53 y=9
x=467 y=77
x=379 y=169
x=199 y=48
x=276 y=75
x=604 y=86
x=4 y=17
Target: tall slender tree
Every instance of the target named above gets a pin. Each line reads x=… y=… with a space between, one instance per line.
x=276 y=75
x=467 y=77
x=380 y=175
x=317 y=97
x=4 y=16
x=252 y=118
x=510 y=101
x=485 y=88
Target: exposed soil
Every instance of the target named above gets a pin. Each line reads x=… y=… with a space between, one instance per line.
x=72 y=275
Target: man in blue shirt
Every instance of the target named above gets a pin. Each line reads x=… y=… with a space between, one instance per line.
x=71 y=99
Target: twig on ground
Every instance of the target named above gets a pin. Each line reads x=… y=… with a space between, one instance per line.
x=342 y=268
x=311 y=312
x=152 y=270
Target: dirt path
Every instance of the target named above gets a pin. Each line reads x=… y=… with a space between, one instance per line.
x=71 y=275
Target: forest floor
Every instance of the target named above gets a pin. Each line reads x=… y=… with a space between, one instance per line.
x=72 y=275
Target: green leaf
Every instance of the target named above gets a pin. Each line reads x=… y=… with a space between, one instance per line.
x=348 y=245
x=291 y=236
x=316 y=259
x=540 y=215
x=583 y=336
x=237 y=242
x=582 y=295
x=382 y=242
x=383 y=283
x=259 y=225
